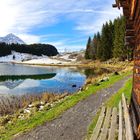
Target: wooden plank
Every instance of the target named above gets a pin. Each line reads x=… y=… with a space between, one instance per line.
x=133 y=117
x=135 y=104
x=120 y=135
x=112 y=133
x=106 y=124
x=128 y=127
x=97 y=129
x=133 y=7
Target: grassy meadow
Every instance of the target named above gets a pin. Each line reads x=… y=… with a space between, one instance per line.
x=17 y=126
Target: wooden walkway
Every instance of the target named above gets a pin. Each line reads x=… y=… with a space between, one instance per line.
x=114 y=123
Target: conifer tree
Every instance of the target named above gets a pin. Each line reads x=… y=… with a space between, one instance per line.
x=105 y=44
x=119 y=51
x=111 y=38
x=88 y=49
x=99 y=50
x=94 y=46
x=109 y=43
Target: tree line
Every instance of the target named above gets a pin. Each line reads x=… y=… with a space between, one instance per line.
x=109 y=43
x=35 y=49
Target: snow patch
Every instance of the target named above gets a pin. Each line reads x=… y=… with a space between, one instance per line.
x=17 y=57
x=33 y=59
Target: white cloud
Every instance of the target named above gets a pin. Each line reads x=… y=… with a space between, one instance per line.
x=91 y=23
x=63 y=46
x=7 y=16
x=29 y=39
x=21 y=17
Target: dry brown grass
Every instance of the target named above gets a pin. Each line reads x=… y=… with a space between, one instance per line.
x=10 y=105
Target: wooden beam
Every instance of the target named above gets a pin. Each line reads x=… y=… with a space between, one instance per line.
x=117 y=4
x=129 y=25
x=130 y=32
x=130 y=39
x=133 y=5
x=129 y=44
x=114 y=5
x=126 y=12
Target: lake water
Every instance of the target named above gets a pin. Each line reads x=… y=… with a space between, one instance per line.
x=18 y=79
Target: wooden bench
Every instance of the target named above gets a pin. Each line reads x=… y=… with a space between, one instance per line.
x=114 y=123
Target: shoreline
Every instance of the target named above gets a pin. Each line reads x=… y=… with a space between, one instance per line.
x=54 y=65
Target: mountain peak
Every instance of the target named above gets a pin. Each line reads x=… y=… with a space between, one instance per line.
x=11 y=38
x=11 y=34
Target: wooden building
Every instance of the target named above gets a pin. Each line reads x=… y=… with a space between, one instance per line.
x=131 y=10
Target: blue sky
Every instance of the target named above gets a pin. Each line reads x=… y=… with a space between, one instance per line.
x=67 y=24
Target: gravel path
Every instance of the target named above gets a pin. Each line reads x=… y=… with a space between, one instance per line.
x=73 y=124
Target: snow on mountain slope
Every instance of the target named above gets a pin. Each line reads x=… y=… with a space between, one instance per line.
x=45 y=60
x=17 y=57
x=11 y=38
x=29 y=59
x=33 y=59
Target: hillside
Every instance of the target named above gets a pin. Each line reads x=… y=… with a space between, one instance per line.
x=34 y=49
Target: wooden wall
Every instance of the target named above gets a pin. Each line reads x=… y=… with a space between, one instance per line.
x=135 y=16
x=131 y=10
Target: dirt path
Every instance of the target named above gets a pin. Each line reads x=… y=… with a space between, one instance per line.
x=72 y=124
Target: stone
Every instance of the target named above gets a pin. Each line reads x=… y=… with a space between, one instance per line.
x=41 y=107
x=116 y=73
x=106 y=78
x=30 y=105
x=74 y=86
x=27 y=111
x=42 y=103
x=21 y=116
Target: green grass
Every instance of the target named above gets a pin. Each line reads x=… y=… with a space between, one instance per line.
x=92 y=125
x=115 y=99
x=39 y=118
x=112 y=102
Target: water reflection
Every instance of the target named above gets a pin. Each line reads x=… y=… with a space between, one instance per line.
x=23 y=77
x=35 y=80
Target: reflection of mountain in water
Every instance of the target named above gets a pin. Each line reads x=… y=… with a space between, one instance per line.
x=13 y=81
x=11 y=84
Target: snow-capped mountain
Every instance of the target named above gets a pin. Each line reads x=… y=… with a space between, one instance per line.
x=11 y=38
x=12 y=84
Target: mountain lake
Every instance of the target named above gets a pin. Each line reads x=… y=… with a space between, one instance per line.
x=16 y=79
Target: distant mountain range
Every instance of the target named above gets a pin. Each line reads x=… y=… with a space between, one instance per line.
x=11 y=38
